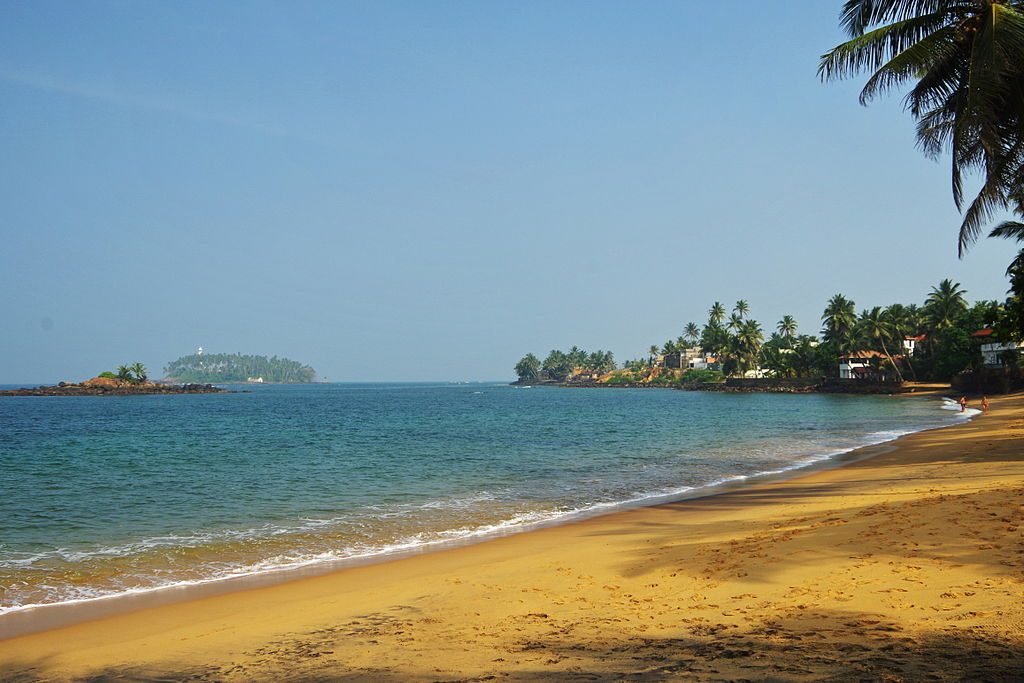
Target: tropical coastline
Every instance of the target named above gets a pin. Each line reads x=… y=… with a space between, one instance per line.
x=707 y=587
x=409 y=196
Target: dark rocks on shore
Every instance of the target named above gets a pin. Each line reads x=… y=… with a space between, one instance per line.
x=115 y=389
x=763 y=385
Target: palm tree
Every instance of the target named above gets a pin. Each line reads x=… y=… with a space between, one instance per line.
x=900 y=322
x=803 y=356
x=875 y=327
x=787 y=328
x=945 y=304
x=776 y=361
x=139 y=372
x=839 y=318
x=528 y=368
x=124 y=373
x=742 y=308
x=735 y=322
x=692 y=332
x=914 y=319
x=749 y=339
x=654 y=353
x=717 y=313
x=965 y=57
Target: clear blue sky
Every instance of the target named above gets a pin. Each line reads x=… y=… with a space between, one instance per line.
x=429 y=190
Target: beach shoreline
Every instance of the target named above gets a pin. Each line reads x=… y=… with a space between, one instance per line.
x=452 y=595
x=33 y=618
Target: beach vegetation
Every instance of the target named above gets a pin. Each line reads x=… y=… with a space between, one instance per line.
x=787 y=328
x=135 y=373
x=703 y=375
x=560 y=366
x=528 y=368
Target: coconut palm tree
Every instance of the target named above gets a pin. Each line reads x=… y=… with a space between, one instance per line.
x=914 y=319
x=742 y=308
x=945 y=304
x=838 y=320
x=735 y=322
x=124 y=373
x=717 y=313
x=964 y=57
x=528 y=368
x=787 y=328
x=692 y=332
x=749 y=338
x=139 y=372
x=874 y=326
x=803 y=356
x=654 y=353
x=898 y=318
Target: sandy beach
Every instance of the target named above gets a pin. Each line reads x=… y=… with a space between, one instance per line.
x=907 y=565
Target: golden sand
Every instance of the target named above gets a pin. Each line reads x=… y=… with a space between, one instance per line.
x=905 y=566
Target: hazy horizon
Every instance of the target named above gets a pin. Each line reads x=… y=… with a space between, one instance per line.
x=413 y=192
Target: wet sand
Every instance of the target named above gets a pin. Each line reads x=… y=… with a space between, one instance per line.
x=905 y=566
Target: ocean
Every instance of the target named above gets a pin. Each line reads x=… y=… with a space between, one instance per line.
x=104 y=496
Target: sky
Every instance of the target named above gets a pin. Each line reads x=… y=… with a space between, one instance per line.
x=427 y=191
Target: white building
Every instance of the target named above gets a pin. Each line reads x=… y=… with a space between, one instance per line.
x=699 y=362
x=858 y=365
x=992 y=351
x=910 y=344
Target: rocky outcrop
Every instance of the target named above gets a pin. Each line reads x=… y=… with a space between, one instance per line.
x=103 y=386
x=776 y=385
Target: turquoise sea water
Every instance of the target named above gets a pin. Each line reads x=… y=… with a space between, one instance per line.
x=103 y=496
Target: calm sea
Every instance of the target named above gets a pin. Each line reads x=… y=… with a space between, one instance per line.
x=102 y=496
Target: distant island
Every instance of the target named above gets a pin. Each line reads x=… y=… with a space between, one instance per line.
x=222 y=368
x=129 y=380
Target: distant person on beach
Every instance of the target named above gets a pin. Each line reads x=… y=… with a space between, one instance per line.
x=963 y=403
x=984 y=404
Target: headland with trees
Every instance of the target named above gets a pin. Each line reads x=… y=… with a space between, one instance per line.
x=936 y=340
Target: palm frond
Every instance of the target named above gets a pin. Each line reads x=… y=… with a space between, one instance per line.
x=1011 y=230
x=989 y=198
x=939 y=47
x=857 y=15
x=874 y=48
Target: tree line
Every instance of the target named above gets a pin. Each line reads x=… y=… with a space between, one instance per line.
x=135 y=373
x=559 y=365
x=940 y=328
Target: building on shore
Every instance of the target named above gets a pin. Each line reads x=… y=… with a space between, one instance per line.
x=994 y=352
x=862 y=365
